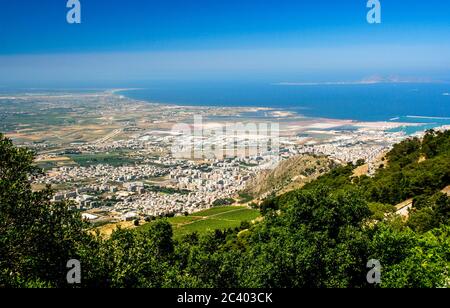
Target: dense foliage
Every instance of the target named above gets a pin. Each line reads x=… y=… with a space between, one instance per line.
x=319 y=236
x=37 y=237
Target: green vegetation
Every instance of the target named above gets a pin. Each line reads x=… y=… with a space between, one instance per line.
x=407 y=176
x=223 y=202
x=379 y=210
x=430 y=212
x=320 y=236
x=245 y=197
x=115 y=159
x=203 y=222
x=38 y=121
x=167 y=190
x=37 y=237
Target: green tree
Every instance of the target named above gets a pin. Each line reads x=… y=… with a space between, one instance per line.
x=426 y=265
x=37 y=237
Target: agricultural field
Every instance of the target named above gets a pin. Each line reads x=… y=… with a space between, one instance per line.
x=49 y=163
x=113 y=159
x=209 y=220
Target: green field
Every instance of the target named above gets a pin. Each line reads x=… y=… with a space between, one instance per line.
x=209 y=220
x=114 y=159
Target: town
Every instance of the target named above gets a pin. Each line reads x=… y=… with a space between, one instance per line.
x=163 y=186
x=118 y=159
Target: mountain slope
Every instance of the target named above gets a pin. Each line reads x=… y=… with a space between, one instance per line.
x=290 y=174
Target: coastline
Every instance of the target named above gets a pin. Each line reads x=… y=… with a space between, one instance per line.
x=392 y=125
x=292 y=122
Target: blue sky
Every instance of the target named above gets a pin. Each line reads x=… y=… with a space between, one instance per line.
x=125 y=42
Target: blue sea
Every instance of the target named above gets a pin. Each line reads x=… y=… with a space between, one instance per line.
x=375 y=102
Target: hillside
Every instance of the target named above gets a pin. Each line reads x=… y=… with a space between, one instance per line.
x=416 y=170
x=290 y=174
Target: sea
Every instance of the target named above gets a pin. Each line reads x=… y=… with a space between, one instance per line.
x=423 y=103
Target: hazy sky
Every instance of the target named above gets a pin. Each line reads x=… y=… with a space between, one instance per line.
x=127 y=42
